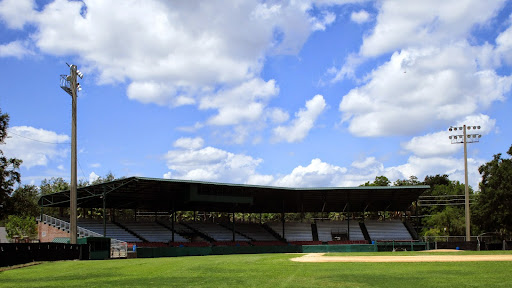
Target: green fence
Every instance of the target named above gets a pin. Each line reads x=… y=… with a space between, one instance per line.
x=403 y=246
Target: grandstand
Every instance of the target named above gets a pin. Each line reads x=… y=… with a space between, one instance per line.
x=389 y=230
x=166 y=197
x=339 y=230
x=293 y=232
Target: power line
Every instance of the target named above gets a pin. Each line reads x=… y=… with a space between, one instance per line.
x=46 y=142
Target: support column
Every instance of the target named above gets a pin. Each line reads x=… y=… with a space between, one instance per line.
x=233 y=217
x=104 y=215
x=282 y=220
x=173 y=218
x=348 y=221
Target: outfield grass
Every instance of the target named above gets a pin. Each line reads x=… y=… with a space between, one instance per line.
x=263 y=270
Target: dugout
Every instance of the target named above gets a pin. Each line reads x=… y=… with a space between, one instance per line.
x=171 y=195
x=99 y=247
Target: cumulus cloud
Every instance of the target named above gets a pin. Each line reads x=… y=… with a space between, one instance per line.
x=245 y=102
x=93 y=177
x=36 y=147
x=173 y=53
x=16 y=13
x=214 y=164
x=15 y=49
x=504 y=45
x=425 y=87
x=437 y=144
x=277 y=115
x=189 y=143
x=411 y=24
x=316 y=174
x=210 y=164
x=321 y=24
x=303 y=122
x=360 y=17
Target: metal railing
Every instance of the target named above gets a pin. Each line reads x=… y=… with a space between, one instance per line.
x=457 y=238
x=118 y=248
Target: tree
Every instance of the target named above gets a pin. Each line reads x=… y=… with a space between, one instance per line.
x=21 y=226
x=413 y=180
x=379 y=181
x=8 y=167
x=493 y=212
x=108 y=178
x=24 y=201
x=53 y=185
x=443 y=220
x=433 y=181
x=450 y=221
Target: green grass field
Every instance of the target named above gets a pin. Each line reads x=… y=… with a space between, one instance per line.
x=263 y=270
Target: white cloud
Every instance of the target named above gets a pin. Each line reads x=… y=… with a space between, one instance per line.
x=262 y=180
x=36 y=147
x=504 y=44
x=453 y=167
x=438 y=145
x=210 y=164
x=360 y=17
x=93 y=177
x=174 y=53
x=347 y=70
x=95 y=165
x=189 y=143
x=15 y=49
x=407 y=24
x=245 y=102
x=418 y=88
x=277 y=115
x=303 y=122
x=16 y=13
x=316 y=174
x=321 y=24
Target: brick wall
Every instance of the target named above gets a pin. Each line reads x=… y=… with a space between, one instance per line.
x=47 y=232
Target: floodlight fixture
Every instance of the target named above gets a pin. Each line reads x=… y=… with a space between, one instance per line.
x=459 y=139
x=69 y=84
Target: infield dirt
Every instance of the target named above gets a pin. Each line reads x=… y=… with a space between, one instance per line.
x=320 y=257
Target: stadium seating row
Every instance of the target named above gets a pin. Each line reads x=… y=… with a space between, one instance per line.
x=339 y=232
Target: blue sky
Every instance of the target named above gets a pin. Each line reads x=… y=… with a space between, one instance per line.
x=285 y=93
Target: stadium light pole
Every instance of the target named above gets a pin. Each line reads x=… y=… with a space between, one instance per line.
x=69 y=84
x=465 y=138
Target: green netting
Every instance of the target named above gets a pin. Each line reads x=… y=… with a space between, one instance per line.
x=409 y=246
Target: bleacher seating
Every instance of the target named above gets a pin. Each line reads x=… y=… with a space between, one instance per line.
x=254 y=231
x=293 y=231
x=387 y=230
x=217 y=232
x=153 y=232
x=327 y=228
x=113 y=230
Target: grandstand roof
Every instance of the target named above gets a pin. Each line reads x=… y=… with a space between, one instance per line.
x=185 y=195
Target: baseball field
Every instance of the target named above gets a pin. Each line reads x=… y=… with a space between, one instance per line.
x=393 y=269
